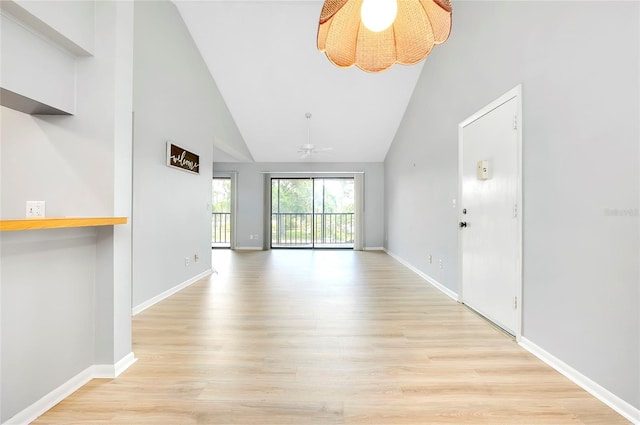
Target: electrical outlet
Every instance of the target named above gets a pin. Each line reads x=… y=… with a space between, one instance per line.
x=441 y=264
x=35 y=208
x=196 y=257
x=430 y=258
x=186 y=261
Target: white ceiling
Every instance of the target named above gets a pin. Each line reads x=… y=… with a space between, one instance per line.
x=263 y=57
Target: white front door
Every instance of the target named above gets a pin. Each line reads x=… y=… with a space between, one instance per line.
x=490 y=228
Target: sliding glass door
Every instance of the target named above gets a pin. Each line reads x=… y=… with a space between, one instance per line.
x=312 y=213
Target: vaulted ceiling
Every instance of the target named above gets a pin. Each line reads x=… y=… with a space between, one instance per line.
x=263 y=58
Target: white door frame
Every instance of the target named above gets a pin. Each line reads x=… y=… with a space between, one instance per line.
x=516 y=93
x=233 y=204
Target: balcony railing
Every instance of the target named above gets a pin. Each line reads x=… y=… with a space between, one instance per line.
x=220 y=229
x=294 y=230
x=312 y=230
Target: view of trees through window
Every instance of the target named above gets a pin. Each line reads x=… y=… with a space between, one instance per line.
x=312 y=212
x=221 y=212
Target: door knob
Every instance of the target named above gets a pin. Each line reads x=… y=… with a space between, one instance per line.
x=463 y=224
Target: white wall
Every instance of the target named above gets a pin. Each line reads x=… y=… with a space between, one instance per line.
x=581 y=181
x=31 y=64
x=251 y=188
x=66 y=294
x=40 y=45
x=47 y=312
x=176 y=99
x=70 y=24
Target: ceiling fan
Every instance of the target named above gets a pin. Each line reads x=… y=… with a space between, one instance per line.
x=308 y=148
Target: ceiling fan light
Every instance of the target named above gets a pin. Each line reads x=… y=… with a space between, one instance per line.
x=346 y=40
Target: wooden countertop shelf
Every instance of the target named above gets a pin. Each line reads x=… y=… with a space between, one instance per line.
x=59 y=223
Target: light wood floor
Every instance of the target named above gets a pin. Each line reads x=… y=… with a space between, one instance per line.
x=324 y=337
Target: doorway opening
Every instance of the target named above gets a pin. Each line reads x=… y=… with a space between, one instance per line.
x=312 y=212
x=221 y=213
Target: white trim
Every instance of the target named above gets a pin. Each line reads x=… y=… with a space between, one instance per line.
x=233 y=176
x=233 y=183
x=125 y=363
x=425 y=276
x=103 y=371
x=107 y=371
x=32 y=412
x=249 y=248
x=267 y=209
x=516 y=93
x=35 y=410
x=520 y=201
x=359 y=211
x=374 y=248
x=146 y=304
x=616 y=403
x=275 y=174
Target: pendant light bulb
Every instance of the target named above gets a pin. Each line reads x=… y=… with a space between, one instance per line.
x=378 y=15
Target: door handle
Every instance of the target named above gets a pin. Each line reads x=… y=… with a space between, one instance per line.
x=463 y=224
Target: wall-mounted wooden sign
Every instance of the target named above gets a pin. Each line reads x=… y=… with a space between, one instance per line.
x=182 y=159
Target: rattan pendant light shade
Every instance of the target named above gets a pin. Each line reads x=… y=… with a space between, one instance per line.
x=419 y=24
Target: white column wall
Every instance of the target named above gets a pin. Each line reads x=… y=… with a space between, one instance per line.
x=66 y=294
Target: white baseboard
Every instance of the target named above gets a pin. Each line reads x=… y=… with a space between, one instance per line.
x=248 y=248
x=616 y=403
x=166 y=294
x=113 y=371
x=103 y=371
x=32 y=412
x=426 y=277
x=125 y=363
x=374 y=248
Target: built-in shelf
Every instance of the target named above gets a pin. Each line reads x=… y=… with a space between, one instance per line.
x=28 y=106
x=59 y=222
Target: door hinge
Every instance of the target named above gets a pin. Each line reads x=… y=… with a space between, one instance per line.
x=515 y=210
x=515 y=122
x=515 y=302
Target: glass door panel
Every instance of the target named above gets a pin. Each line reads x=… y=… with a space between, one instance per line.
x=291 y=213
x=221 y=213
x=308 y=213
x=334 y=213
